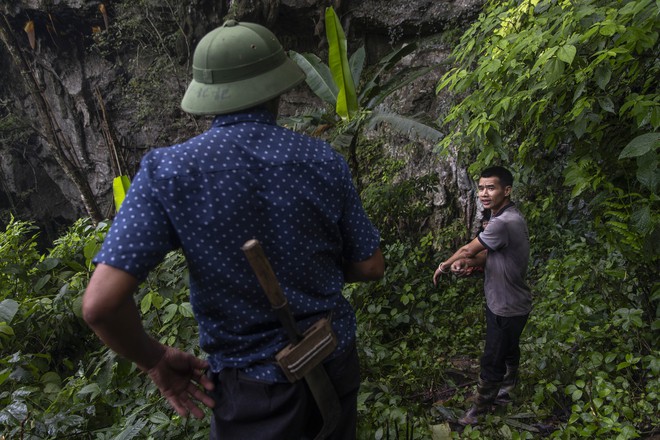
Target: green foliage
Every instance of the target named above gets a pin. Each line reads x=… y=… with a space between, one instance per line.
x=556 y=72
x=590 y=359
x=401 y=205
x=44 y=345
x=594 y=348
x=55 y=378
x=566 y=94
x=576 y=80
x=399 y=332
x=15 y=251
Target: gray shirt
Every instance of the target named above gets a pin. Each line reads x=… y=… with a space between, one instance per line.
x=507 y=240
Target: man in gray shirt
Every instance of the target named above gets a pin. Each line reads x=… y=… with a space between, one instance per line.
x=503 y=248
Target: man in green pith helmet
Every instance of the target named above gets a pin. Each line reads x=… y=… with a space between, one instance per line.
x=244 y=178
x=503 y=249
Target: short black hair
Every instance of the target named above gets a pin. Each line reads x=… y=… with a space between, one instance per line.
x=505 y=176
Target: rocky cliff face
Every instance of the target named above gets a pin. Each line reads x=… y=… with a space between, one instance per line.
x=86 y=87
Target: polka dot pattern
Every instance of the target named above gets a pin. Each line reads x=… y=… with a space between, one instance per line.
x=247 y=178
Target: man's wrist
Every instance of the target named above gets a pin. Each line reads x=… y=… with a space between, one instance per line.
x=153 y=355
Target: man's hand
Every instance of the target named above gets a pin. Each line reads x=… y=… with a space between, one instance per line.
x=459 y=267
x=443 y=268
x=180 y=378
x=469 y=251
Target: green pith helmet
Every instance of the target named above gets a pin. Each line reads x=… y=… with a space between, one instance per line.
x=238 y=66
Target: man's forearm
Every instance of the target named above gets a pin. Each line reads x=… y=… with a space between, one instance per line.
x=369 y=270
x=123 y=332
x=461 y=254
x=469 y=251
x=478 y=260
x=109 y=309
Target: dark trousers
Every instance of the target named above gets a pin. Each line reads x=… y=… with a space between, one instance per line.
x=250 y=409
x=502 y=345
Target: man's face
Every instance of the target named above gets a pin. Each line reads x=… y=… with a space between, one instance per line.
x=492 y=194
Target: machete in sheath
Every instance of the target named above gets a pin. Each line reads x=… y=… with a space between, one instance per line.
x=303 y=357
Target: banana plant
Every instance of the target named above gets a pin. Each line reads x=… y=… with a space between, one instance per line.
x=355 y=102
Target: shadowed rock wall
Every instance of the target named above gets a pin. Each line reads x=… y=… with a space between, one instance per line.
x=112 y=99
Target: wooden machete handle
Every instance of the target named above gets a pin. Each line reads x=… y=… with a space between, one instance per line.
x=264 y=272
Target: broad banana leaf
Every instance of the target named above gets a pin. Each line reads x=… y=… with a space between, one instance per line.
x=319 y=78
x=356 y=61
x=120 y=186
x=386 y=64
x=396 y=82
x=405 y=125
x=347 y=103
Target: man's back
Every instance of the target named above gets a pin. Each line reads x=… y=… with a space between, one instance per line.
x=248 y=178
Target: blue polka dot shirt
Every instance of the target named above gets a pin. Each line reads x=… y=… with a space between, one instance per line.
x=247 y=178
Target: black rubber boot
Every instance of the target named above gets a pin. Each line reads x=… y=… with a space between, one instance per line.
x=483 y=401
x=508 y=384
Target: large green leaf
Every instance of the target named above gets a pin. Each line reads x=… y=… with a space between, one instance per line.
x=566 y=53
x=647 y=170
x=356 y=63
x=406 y=125
x=347 y=103
x=132 y=430
x=641 y=145
x=120 y=186
x=8 y=309
x=319 y=78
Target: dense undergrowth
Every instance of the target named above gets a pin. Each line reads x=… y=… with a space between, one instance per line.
x=590 y=358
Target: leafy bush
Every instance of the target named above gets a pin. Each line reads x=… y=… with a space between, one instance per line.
x=402 y=337
x=400 y=205
x=604 y=377
x=56 y=379
x=590 y=358
x=43 y=347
